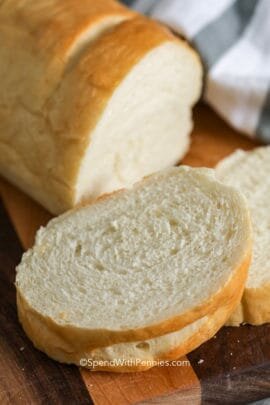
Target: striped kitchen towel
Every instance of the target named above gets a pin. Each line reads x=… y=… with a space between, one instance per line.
x=233 y=39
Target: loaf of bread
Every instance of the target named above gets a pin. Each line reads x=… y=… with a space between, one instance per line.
x=135 y=265
x=93 y=97
x=249 y=172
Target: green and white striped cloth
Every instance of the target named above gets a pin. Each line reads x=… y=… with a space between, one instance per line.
x=233 y=39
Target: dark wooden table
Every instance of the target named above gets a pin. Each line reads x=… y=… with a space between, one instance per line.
x=231 y=368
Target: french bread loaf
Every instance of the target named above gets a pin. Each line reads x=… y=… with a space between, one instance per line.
x=94 y=98
x=249 y=172
x=135 y=265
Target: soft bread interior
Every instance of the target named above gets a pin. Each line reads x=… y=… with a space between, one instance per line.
x=249 y=172
x=140 y=256
x=146 y=124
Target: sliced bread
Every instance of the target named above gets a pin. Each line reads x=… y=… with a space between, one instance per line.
x=140 y=356
x=249 y=172
x=135 y=265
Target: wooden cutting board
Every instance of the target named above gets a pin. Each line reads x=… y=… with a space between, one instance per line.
x=233 y=367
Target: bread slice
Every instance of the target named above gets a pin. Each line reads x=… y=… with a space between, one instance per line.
x=249 y=172
x=102 y=98
x=135 y=356
x=140 y=356
x=135 y=265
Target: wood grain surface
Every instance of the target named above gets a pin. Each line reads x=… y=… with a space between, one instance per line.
x=233 y=367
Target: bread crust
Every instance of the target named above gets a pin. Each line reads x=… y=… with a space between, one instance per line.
x=56 y=347
x=57 y=105
x=42 y=44
x=44 y=331
x=254 y=307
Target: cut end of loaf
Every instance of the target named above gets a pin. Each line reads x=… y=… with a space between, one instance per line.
x=146 y=124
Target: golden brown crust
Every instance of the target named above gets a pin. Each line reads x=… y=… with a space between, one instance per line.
x=254 y=307
x=43 y=37
x=42 y=330
x=56 y=25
